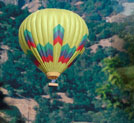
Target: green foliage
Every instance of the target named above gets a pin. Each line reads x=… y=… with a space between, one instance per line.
x=117 y=91
x=17 y=76
x=2 y=4
x=13 y=114
x=84 y=81
x=119 y=88
x=60 y=4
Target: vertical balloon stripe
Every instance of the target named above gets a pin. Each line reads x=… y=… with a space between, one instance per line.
x=58 y=34
x=49 y=57
x=45 y=52
x=63 y=54
x=29 y=39
x=66 y=53
x=84 y=39
x=74 y=61
x=36 y=63
x=71 y=52
x=82 y=43
x=39 y=48
x=32 y=57
x=64 y=50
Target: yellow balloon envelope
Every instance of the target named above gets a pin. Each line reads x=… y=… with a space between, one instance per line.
x=53 y=38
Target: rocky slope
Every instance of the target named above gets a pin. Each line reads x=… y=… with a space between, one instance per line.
x=26 y=106
x=114 y=42
x=32 y=5
x=128 y=10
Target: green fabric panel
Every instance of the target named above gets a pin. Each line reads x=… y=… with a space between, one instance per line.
x=58 y=27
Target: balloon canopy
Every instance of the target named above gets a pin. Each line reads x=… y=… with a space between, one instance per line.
x=53 y=39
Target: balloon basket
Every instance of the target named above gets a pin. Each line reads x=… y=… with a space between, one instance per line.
x=53 y=84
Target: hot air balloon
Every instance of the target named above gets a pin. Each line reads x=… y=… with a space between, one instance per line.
x=53 y=39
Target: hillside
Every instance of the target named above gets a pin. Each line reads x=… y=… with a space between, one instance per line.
x=90 y=90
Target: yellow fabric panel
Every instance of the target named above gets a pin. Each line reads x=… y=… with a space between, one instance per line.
x=41 y=25
x=30 y=25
